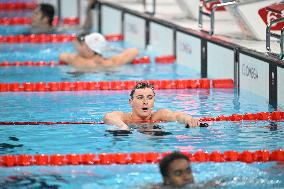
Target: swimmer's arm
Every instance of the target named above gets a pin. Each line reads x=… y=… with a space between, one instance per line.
x=77 y=61
x=116 y=119
x=66 y=57
x=125 y=57
x=168 y=115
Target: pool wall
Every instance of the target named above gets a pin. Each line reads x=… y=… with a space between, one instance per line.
x=210 y=56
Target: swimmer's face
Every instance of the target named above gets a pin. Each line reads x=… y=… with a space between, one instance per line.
x=83 y=49
x=142 y=102
x=179 y=173
x=37 y=18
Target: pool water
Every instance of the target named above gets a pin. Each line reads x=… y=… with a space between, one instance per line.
x=219 y=175
x=85 y=106
x=50 y=52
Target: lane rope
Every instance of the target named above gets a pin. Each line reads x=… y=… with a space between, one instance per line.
x=260 y=116
x=114 y=85
x=137 y=158
x=48 y=38
x=16 y=6
x=27 y=21
x=138 y=60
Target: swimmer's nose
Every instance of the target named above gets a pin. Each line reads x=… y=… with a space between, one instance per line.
x=145 y=101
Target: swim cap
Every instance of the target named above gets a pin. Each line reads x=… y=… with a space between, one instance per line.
x=96 y=42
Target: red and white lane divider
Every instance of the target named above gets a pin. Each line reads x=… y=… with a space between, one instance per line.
x=273 y=116
x=49 y=38
x=137 y=158
x=37 y=38
x=114 y=85
x=15 y=6
x=29 y=63
x=139 y=60
x=166 y=59
x=259 y=116
x=26 y=21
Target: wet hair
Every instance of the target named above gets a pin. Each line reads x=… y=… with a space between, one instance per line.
x=48 y=11
x=141 y=85
x=81 y=37
x=168 y=159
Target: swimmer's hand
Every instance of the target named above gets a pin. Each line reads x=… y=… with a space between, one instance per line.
x=200 y=125
x=192 y=122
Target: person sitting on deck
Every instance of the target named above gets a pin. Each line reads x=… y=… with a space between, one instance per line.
x=142 y=99
x=90 y=54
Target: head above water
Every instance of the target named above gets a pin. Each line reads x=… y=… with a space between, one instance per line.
x=96 y=42
x=141 y=85
x=175 y=169
x=47 y=10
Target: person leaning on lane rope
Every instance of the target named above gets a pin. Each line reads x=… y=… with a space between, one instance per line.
x=142 y=98
x=90 y=57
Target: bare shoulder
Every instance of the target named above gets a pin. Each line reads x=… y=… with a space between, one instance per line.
x=66 y=57
x=160 y=114
x=118 y=113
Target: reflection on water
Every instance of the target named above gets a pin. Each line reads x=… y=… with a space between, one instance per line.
x=32 y=181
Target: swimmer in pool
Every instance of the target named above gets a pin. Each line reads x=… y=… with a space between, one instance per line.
x=42 y=19
x=90 y=50
x=176 y=170
x=142 y=99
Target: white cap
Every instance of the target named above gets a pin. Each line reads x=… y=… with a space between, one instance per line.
x=96 y=42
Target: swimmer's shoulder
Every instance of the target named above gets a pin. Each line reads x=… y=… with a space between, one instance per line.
x=160 y=114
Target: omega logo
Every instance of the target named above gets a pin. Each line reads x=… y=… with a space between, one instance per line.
x=249 y=71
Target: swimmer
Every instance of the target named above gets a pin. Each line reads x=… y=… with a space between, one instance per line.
x=141 y=100
x=42 y=19
x=176 y=171
x=90 y=50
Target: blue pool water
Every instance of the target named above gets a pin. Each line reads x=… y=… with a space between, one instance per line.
x=85 y=106
x=50 y=52
x=223 y=175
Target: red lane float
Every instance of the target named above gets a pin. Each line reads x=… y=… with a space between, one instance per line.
x=101 y=85
x=114 y=37
x=167 y=59
x=38 y=38
x=12 y=6
x=15 y=21
x=142 y=60
x=137 y=158
x=260 y=116
x=45 y=38
x=71 y=21
x=48 y=123
x=273 y=116
x=223 y=83
x=29 y=63
x=27 y=21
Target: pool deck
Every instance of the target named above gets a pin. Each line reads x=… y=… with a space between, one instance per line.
x=169 y=10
